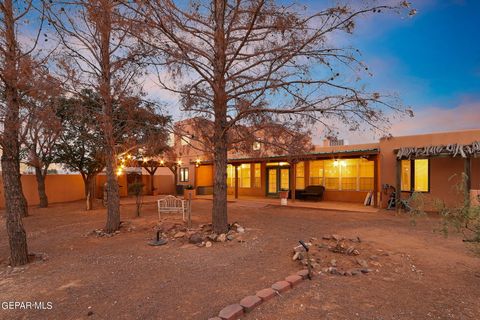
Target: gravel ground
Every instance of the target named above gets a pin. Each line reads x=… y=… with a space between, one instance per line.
x=421 y=276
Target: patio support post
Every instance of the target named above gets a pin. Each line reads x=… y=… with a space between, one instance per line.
x=398 y=191
x=467 y=179
x=375 y=182
x=236 y=181
x=294 y=180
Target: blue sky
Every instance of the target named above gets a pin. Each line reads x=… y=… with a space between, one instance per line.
x=431 y=60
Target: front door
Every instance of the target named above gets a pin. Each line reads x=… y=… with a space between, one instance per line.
x=278 y=178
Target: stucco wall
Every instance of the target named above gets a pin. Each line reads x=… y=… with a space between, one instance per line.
x=441 y=169
x=59 y=188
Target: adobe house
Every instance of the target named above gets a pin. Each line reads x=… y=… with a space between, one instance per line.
x=429 y=164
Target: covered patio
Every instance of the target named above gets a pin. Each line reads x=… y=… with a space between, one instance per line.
x=320 y=205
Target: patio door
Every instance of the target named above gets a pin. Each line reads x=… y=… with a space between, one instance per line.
x=272 y=184
x=278 y=178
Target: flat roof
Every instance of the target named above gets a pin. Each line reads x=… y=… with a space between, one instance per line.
x=306 y=156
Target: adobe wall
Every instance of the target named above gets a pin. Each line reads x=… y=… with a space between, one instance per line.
x=444 y=172
x=59 y=188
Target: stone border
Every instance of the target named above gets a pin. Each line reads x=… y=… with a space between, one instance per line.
x=249 y=303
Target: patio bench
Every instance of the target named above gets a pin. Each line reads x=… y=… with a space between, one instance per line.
x=171 y=204
x=310 y=192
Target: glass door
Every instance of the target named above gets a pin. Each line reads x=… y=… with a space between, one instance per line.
x=278 y=178
x=272 y=185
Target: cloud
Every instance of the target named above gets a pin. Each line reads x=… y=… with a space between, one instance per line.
x=435 y=119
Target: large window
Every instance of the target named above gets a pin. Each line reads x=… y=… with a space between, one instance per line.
x=349 y=173
x=332 y=174
x=366 y=169
x=230 y=176
x=316 y=172
x=257 y=178
x=415 y=175
x=183 y=174
x=244 y=173
x=342 y=174
x=300 y=175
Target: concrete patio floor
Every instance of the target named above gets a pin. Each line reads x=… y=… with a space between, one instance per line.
x=263 y=202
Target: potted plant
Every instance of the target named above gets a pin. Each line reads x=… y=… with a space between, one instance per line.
x=284 y=196
x=188 y=191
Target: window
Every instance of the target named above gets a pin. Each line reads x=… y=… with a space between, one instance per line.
x=366 y=169
x=256 y=146
x=349 y=173
x=230 y=176
x=183 y=174
x=316 y=172
x=415 y=175
x=300 y=175
x=332 y=174
x=257 y=178
x=244 y=173
x=421 y=175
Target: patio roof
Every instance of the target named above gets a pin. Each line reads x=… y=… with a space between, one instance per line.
x=307 y=156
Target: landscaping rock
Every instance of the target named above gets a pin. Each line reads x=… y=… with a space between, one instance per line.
x=362 y=263
x=326 y=237
x=222 y=238
x=294 y=280
x=366 y=270
x=240 y=229
x=231 y=312
x=230 y=237
x=297 y=256
x=333 y=263
x=179 y=234
x=208 y=244
x=195 y=238
x=212 y=236
x=266 y=294
x=251 y=302
x=281 y=286
x=336 y=237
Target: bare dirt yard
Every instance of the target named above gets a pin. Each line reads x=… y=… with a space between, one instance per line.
x=412 y=272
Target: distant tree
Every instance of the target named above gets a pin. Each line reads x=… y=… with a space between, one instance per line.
x=99 y=55
x=15 y=19
x=138 y=125
x=260 y=64
x=41 y=127
x=80 y=144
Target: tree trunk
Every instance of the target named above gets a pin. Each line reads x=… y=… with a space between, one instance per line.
x=15 y=202
x=113 y=197
x=42 y=194
x=219 y=210
x=88 y=182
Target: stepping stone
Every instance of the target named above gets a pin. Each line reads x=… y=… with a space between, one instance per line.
x=266 y=294
x=281 y=286
x=294 y=280
x=231 y=312
x=251 y=302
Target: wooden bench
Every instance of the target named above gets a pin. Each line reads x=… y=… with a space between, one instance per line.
x=171 y=204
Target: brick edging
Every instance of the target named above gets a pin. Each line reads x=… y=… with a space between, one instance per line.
x=249 y=303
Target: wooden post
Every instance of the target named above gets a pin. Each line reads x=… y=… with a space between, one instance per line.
x=398 y=186
x=236 y=181
x=375 y=182
x=467 y=180
x=294 y=180
x=189 y=210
